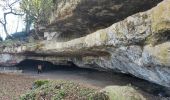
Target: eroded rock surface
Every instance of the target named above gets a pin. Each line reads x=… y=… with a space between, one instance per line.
x=76 y=18
x=138 y=45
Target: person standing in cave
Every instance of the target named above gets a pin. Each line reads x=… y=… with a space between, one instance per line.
x=39 y=69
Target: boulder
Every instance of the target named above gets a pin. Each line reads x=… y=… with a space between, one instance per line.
x=123 y=93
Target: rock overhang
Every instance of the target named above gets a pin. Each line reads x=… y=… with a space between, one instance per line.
x=124 y=45
x=77 y=18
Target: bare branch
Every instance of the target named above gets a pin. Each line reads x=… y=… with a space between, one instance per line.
x=10 y=5
x=11 y=12
x=10 y=9
x=1 y=22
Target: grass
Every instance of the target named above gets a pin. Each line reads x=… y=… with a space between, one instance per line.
x=62 y=90
x=67 y=90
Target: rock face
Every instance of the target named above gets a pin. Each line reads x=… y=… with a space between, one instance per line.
x=138 y=45
x=76 y=18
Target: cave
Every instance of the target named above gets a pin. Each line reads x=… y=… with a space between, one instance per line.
x=107 y=77
x=29 y=65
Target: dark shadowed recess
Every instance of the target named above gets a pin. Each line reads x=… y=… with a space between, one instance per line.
x=112 y=77
x=32 y=65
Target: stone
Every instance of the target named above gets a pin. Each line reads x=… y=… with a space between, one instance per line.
x=51 y=35
x=124 y=46
x=122 y=93
x=77 y=18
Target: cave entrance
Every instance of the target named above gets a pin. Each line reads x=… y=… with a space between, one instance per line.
x=30 y=65
x=95 y=77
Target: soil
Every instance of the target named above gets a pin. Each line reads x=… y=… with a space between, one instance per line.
x=12 y=86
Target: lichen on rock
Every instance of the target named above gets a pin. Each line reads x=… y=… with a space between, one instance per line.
x=123 y=93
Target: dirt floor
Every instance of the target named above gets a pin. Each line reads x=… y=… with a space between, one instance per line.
x=12 y=85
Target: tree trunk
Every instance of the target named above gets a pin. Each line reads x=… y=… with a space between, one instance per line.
x=28 y=24
x=17 y=26
x=27 y=27
x=6 y=32
x=37 y=30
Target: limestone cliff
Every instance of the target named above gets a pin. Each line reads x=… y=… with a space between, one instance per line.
x=76 y=18
x=138 y=45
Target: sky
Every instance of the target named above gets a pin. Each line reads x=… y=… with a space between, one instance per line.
x=12 y=21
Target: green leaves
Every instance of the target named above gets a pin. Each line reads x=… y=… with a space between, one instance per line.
x=38 y=10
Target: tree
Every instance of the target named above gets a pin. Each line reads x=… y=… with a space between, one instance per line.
x=1 y=39
x=8 y=8
x=36 y=12
x=26 y=6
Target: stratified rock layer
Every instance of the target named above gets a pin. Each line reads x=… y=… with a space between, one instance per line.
x=138 y=45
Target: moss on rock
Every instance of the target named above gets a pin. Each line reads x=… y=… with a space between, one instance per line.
x=123 y=93
x=160 y=17
x=61 y=90
x=67 y=90
x=160 y=53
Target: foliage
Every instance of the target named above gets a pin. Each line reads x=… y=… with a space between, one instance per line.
x=39 y=83
x=1 y=39
x=63 y=90
x=37 y=10
x=66 y=90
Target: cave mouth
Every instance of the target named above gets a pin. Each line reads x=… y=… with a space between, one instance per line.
x=95 y=76
x=29 y=65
